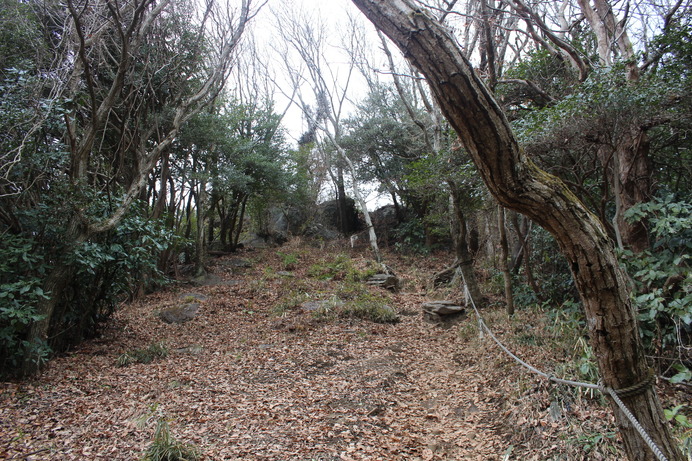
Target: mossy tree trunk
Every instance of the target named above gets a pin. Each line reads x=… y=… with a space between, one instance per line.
x=518 y=184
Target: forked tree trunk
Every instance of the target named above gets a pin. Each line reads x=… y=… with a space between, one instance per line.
x=518 y=184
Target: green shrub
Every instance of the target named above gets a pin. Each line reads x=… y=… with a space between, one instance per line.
x=662 y=275
x=343 y=268
x=682 y=427
x=164 y=447
x=288 y=260
x=21 y=272
x=410 y=236
x=373 y=310
x=335 y=269
x=356 y=301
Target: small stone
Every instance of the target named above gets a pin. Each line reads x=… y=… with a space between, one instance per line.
x=312 y=306
x=443 y=308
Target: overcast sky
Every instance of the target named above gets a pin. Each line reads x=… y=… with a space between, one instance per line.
x=334 y=15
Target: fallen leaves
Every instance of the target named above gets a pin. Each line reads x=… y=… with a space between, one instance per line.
x=241 y=385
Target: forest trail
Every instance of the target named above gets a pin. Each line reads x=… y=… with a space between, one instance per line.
x=243 y=383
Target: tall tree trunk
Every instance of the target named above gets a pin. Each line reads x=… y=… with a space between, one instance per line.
x=524 y=231
x=372 y=236
x=632 y=170
x=464 y=258
x=344 y=218
x=504 y=266
x=239 y=224
x=518 y=184
x=518 y=248
x=160 y=204
x=224 y=220
x=201 y=235
x=632 y=178
x=59 y=277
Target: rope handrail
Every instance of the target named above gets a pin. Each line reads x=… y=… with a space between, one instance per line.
x=606 y=390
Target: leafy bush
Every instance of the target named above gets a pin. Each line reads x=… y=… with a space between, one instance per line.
x=410 y=236
x=662 y=274
x=21 y=269
x=683 y=427
x=109 y=269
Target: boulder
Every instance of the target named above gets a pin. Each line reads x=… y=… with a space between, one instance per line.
x=388 y=281
x=442 y=312
x=254 y=241
x=282 y=222
x=328 y=213
x=237 y=263
x=180 y=314
x=320 y=232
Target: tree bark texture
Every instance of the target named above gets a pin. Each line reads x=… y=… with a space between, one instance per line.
x=632 y=176
x=201 y=236
x=518 y=184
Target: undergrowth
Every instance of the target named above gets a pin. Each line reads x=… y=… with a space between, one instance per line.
x=164 y=447
x=354 y=301
x=154 y=351
x=553 y=340
x=342 y=267
x=348 y=298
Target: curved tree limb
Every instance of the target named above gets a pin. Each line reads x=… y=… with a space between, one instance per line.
x=518 y=184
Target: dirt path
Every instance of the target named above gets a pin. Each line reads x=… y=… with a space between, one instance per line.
x=242 y=383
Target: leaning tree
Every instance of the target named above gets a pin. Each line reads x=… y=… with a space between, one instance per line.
x=518 y=184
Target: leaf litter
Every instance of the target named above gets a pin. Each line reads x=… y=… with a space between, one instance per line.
x=243 y=381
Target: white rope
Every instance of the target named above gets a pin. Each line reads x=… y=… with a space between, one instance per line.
x=612 y=392
x=654 y=448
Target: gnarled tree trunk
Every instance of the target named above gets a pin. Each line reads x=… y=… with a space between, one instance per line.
x=518 y=184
